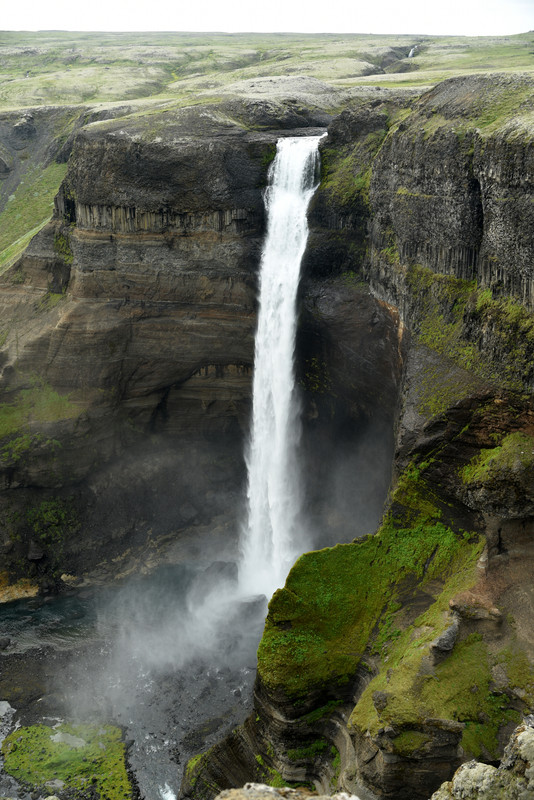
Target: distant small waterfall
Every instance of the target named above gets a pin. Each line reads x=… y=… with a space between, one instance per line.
x=271 y=537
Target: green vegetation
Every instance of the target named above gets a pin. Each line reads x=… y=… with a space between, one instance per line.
x=322 y=622
x=196 y=775
x=15 y=449
x=193 y=764
x=268 y=156
x=59 y=68
x=83 y=756
x=515 y=453
x=53 y=521
x=336 y=767
x=270 y=775
x=442 y=58
x=498 y=107
x=409 y=742
x=62 y=247
x=518 y=671
x=49 y=301
x=323 y=711
x=390 y=254
x=345 y=171
x=310 y=751
x=40 y=403
x=28 y=210
x=445 y=308
x=440 y=389
x=342 y=180
x=343 y=602
x=316 y=378
x=456 y=689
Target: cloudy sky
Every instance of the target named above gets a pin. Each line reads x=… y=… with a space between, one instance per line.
x=459 y=17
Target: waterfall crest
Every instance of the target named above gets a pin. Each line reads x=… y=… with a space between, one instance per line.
x=272 y=539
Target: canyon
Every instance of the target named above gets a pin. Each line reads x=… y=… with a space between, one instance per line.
x=389 y=658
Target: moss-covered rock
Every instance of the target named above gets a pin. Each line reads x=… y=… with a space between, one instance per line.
x=82 y=757
x=320 y=625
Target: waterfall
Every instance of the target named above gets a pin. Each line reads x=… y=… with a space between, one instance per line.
x=271 y=539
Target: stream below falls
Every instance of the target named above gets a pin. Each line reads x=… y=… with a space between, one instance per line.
x=169 y=657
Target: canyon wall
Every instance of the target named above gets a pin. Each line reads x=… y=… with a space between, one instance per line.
x=128 y=342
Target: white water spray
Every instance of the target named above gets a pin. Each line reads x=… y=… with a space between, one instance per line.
x=271 y=539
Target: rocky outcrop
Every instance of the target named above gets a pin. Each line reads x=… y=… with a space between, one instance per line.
x=510 y=781
x=452 y=183
x=261 y=791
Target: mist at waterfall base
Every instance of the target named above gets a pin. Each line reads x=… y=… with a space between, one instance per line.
x=178 y=672
x=170 y=657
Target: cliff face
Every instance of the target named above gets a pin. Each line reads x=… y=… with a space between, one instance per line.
x=128 y=340
x=387 y=662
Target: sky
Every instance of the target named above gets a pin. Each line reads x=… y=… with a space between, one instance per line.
x=448 y=17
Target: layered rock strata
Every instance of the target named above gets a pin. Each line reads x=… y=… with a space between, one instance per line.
x=128 y=339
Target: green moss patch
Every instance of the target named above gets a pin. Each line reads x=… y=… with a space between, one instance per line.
x=457 y=689
x=341 y=603
x=514 y=454
x=451 y=315
x=338 y=601
x=62 y=247
x=310 y=751
x=82 y=756
x=345 y=171
x=322 y=711
x=518 y=671
x=409 y=742
x=39 y=403
x=52 y=521
x=28 y=210
x=270 y=775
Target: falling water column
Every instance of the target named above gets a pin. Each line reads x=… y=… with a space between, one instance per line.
x=271 y=539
